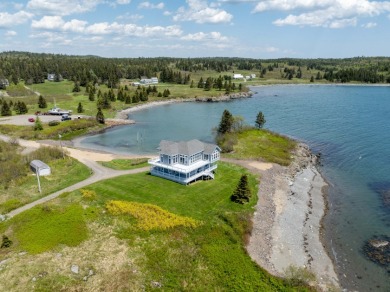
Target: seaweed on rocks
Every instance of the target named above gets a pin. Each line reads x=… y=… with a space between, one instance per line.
x=377 y=249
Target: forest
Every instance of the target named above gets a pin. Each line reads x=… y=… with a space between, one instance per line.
x=33 y=68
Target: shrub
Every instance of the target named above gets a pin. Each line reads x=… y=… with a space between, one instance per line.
x=54 y=123
x=299 y=276
x=88 y=194
x=150 y=216
x=6 y=242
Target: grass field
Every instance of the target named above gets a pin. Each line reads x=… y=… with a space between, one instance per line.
x=125 y=164
x=64 y=172
x=207 y=257
x=264 y=145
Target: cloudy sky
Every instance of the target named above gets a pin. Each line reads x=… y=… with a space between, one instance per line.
x=196 y=28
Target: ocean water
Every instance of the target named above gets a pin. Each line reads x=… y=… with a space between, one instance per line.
x=348 y=125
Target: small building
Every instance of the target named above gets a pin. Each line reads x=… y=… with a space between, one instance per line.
x=185 y=161
x=253 y=76
x=145 y=80
x=42 y=168
x=238 y=76
x=53 y=77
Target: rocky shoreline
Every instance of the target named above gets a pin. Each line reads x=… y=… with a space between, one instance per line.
x=123 y=114
x=287 y=221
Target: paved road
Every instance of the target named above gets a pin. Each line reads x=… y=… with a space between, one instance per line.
x=86 y=157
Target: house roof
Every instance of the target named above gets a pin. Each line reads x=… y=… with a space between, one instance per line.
x=186 y=147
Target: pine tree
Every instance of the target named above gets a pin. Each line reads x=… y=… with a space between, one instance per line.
x=242 y=192
x=91 y=95
x=80 y=108
x=260 y=120
x=226 y=122
x=100 y=116
x=5 y=109
x=76 y=87
x=42 y=102
x=200 y=83
x=38 y=125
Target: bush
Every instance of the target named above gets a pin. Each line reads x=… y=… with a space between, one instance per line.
x=299 y=276
x=6 y=242
x=54 y=123
x=88 y=194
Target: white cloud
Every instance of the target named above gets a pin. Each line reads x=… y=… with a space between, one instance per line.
x=10 y=33
x=8 y=20
x=62 y=7
x=325 y=13
x=123 y=2
x=201 y=36
x=200 y=12
x=148 y=5
x=57 y=23
x=369 y=25
x=132 y=17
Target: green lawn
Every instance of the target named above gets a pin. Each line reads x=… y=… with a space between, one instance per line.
x=64 y=173
x=210 y=257
x=125 y=164
x=263 y=144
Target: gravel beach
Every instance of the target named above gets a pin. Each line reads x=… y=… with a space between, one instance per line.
x=287 y=220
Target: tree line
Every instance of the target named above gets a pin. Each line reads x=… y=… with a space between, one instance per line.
x=34 y=68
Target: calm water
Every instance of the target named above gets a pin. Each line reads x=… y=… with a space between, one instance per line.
x=349 y=125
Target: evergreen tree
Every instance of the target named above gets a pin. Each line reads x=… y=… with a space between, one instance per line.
x=42 y=102
x=200 y=83
x=76 y=87
x=312 y=79
x=242 y=192
x=100 y=116
x=260 y=120
x=91 y=95
x=192 y=84
x=226 y=122
x=38 y=125
x=80 y=108
x=5 y=109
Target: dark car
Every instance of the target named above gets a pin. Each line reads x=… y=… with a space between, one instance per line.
x=65 y=118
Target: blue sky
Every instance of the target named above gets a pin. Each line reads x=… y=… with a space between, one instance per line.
x=196 y=28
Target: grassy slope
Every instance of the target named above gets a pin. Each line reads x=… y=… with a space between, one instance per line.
x=263 y=144
x=125 y=164
x=209 y=257
x=25 y=190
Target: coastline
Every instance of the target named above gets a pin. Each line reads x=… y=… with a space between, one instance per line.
x=287 y=222
x=123 y=114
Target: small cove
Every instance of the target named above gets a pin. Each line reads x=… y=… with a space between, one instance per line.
x=349 y=125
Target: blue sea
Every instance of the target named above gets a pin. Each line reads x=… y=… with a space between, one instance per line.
x=348 y=125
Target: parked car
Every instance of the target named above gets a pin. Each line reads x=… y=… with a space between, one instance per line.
x=65 y=118
x=31 y=120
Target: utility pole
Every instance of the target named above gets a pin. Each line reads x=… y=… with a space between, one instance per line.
x=39 y=183
x=62 y=149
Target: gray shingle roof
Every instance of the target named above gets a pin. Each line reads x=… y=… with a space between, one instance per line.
x=186 y=147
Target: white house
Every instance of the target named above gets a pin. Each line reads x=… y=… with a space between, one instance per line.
x=185 y=161
x=238 y=76
x=145 y=80
x=40 y=167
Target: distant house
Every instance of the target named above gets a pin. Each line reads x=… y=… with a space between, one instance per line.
x=238 y=76
x=3 y=83
x=52 y=77
x=40 y=167
x=185 y=161
x=253 y=76
x=145 y=80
